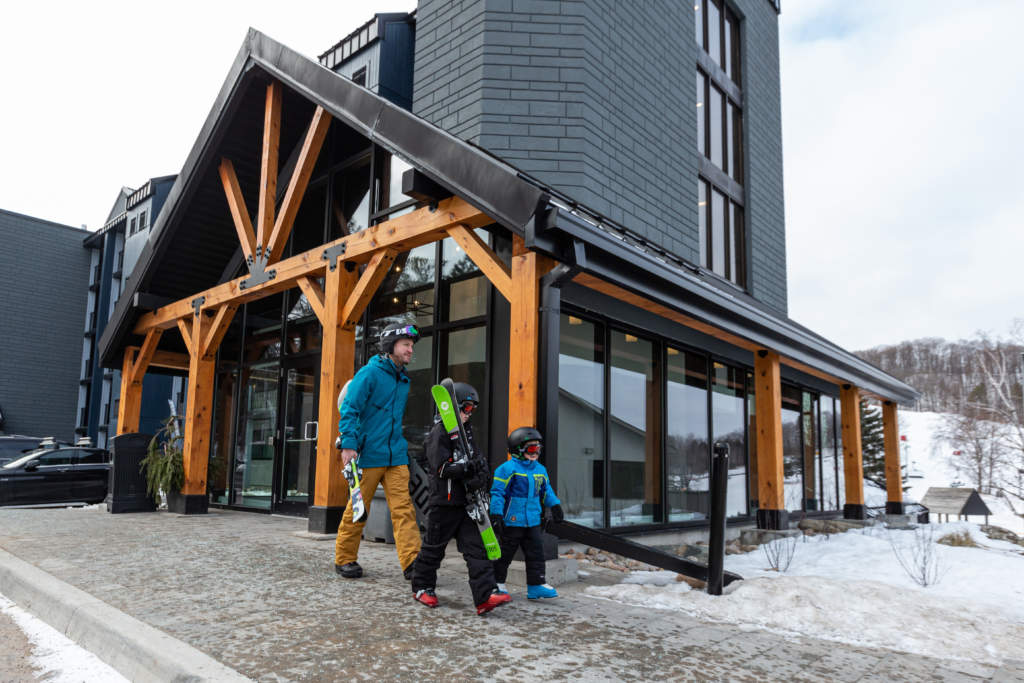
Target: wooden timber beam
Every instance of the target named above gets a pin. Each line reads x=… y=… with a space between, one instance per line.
x=144 y=356
x=218 y=328
x=198 y=408
x=337 y=364
x=239 y=214
x=169 y=360
x=893 y=471
x=185 y=327
x=268 y=167
x=400 y=234
x=771 y=499
x=314 y=295
x=853 y=459
x=297 y=185
x=133 y=370
x=524 y=337
x=376 y=270
x=485 y=259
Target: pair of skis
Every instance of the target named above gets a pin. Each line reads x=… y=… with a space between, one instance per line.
x=477 y=509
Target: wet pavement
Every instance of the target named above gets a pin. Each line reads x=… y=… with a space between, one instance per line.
x=249 y=590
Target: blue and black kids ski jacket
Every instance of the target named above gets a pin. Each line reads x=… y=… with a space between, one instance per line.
x=520 y=492
x=372 y=412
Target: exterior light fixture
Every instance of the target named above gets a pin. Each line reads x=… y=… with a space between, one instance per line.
x=673 y=352
x=573 y=320
x=394 y=299
x=630 y=338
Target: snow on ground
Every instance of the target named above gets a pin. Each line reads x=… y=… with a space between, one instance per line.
x=57 y=658
x=850 y=588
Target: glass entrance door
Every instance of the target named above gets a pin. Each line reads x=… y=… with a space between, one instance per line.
x=253 y=473
x=294 y=476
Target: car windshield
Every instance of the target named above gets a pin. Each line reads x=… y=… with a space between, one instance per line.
x=20 y=461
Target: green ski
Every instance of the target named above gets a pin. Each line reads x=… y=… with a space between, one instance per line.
x=444 y=397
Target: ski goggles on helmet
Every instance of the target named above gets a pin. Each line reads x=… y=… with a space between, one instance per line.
x=468 y=407
x=409 y=331
x=533 y=448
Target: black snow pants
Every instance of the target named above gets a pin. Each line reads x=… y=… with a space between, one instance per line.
x=445 y=522
x=529 y=538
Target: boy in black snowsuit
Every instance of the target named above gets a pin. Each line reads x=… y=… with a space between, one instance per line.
x=451 y=477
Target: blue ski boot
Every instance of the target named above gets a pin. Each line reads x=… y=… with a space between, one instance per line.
x=541 y=591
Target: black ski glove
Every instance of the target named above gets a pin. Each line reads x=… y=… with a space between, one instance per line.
x=556 y=513
x=453 y=470
x=498 y=524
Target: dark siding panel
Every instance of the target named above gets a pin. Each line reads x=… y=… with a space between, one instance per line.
x=46 y=276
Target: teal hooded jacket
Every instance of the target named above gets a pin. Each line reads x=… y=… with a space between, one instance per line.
x=372 y=412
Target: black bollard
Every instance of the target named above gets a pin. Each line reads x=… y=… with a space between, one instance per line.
x=716 y=543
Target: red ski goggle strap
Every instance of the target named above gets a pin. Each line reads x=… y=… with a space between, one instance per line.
x=533 y=448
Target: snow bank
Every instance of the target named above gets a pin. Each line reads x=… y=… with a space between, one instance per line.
x=58 y=659
x=850 y=588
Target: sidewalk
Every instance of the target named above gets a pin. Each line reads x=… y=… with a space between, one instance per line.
x=247 y=590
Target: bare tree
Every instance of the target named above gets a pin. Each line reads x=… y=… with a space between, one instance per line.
x=978 y=452
x=779 y=552
x=1002 y=366
x=920 y=557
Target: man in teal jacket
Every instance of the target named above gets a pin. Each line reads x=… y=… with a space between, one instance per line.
x=371 y=430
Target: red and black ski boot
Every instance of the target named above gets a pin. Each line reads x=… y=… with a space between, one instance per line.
x=492 y=601
x=426 y=597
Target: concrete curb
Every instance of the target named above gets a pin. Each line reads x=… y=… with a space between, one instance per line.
x=138 y=651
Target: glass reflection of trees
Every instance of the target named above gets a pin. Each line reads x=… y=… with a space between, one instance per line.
x=728 y=412
x=686 y=440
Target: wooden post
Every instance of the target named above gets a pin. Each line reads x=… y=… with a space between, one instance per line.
x=893 y=471
x=524 y=341
x=206 y=331
x=337 y=362
x=130 y=405
x=853 y=459
x=133 y=370
x=771 y=513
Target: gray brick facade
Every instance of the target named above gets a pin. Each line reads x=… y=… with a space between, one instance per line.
x=45 y=272
x=596 y=98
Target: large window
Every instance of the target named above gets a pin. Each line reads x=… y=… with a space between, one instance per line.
x=720 y=142
x=637 y=417
x=634 y=431
x=581 y=394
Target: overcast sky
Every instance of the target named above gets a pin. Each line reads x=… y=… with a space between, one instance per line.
x=901 y=129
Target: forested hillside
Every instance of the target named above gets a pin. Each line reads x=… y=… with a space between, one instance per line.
x=949 y=375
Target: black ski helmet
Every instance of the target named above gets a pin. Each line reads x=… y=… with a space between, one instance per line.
x=394 y=332
x=519 y=437
x=465 y=393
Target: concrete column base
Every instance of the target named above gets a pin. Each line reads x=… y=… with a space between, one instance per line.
x=324 y=519
x=182 y=504
x=772 y=519
x=855 y=511
x=556 y=572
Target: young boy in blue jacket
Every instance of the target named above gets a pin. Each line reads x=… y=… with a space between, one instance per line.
x=519 y=494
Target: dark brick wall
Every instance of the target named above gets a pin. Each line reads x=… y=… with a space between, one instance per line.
x=45 y=281
x=596 y=99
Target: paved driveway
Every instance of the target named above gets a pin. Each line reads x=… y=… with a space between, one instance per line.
x=248 y=590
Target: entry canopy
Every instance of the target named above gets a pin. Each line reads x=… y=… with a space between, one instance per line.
x=193 y=245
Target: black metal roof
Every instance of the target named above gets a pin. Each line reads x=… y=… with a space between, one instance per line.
x=195 y=223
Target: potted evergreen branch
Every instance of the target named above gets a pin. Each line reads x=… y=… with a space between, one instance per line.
x=164 y=465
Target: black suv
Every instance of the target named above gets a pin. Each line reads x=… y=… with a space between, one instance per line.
x=65 y=474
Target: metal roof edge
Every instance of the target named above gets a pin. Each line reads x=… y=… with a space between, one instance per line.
x=689 y=294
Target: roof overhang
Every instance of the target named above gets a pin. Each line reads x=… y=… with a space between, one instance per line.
x=487 y=183
x=697 y=295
